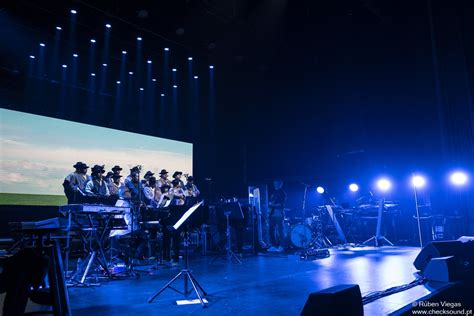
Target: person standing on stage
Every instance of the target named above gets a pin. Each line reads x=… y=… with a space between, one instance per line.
x=116 y=170
x=147 y=176
x=131 y=188
x=276 y=216
x=115 y=185
x=149 y=195
x=191 y=189
x=177 y=176
x=178 y=193
x=163 y=180
x=74 y=183
x=96 y=187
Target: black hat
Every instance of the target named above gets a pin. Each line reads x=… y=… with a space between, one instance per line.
x=190 y=178
x=98 y=168
x=148 y=174
x=135 y=169
x=80 y=165
x=176 y=173
x=116 y=176
x=163 y=171
x=109 y=174
x=152 y=180
x=116 y=168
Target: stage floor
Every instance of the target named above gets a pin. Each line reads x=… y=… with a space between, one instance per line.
x=267 y=284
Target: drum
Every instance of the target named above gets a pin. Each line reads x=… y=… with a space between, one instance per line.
x=300 y=235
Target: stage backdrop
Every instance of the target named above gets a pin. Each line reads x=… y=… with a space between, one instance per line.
x=37 y=152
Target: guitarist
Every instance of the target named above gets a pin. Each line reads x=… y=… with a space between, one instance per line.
x=276 y=216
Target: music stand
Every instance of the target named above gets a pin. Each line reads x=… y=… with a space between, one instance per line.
x=186 y=272
x=378 y=232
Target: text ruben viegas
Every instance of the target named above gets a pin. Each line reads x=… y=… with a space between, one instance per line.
x=440 y=304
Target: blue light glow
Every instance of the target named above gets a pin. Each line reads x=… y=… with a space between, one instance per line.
x=162 y=94
x=196 y=77
x=124 y=52
x=108 y=26
x=139 y=38
x=190 y=58
x=105 y=65
x=92 y=40
x=32 y=57
x=418 y=181
x=58 y=28
x=166 y=49
x=211 y=67
x=384 y=184
x=141 y=89
x=130 y=72
x=118 y=82
x=73 y=11
x=42 y=44
x=64 y=66
x=458 y=178
x=320 y=190
x=174 y=70
x=353 y=187
x=154 y=80
x=93 y=74
x=175 y=86
x=75 y=55
x=149 y=61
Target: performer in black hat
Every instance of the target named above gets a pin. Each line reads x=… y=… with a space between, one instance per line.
x=115 y=185
x=163 y=180
x=96 y=186
x=74 y=183
x=177 y=176
x=276 y=216
x=146 y=177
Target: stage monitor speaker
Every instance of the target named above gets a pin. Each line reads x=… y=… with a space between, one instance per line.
x=338 y=300
x=437 y=249
x=448 y=269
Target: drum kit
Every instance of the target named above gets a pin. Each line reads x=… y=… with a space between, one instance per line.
x=307 y=232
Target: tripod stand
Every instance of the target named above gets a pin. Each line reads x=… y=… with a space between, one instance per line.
x=188 y=277
x=378 y=235
x=230 y=255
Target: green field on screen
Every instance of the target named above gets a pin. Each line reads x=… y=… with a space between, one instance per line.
x=32 y=199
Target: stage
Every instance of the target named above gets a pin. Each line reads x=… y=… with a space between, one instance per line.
x=267 y=284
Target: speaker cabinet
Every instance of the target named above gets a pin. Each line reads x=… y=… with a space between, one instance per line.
x=337 y=300
x=437 y=249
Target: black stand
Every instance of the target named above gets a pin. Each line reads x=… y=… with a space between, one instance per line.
x=187 y=275
x=230 y=255
x=378 y=233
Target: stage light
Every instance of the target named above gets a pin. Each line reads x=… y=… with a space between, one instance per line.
x=105 y=65
x=196 y=77
x=130 y=72
x=64 y=66
x=458 y=178
x=418 y=181
x=73 y=11
x=32 y=57
x=384 y=184
x=108 y=26
x=42 y=44
x=175 y=86
x=162 y=94
x=190 y=58
x=154 y=80
x=166 y=49
x=92 y=40
x=148 y=61
x=139 y=38
x=124 y=52
x=211 y=67
x=320 y=190
x=118 y=82
x=141 y=89
x=93 y=74
x=353 y=187
x=174 y=70
x=75 y=55
x=58 y=28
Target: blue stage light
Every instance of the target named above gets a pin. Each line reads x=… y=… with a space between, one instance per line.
x=108 y=26
x=149 y=61
x=196 y=77
x=32 y=57
x=130 y=72
x=320 y=190
x=190 y=58
x=154 y=80
x=92 y=40
x=141 y=89
x=75 y=55
x=175 y=86
x=458 y=178
x=124 y=52
x=105 y=65
x=174 y=70
x=162 y=94
x=353 y=187
x=73 y=11
x=118 y=82
x=166 y=49
x=211 y=67
x=418 y=181
x=42 y=44
x=139 y=38
x=58 y=28
x=384 y=184
x=64 y=66
x=93 y=74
